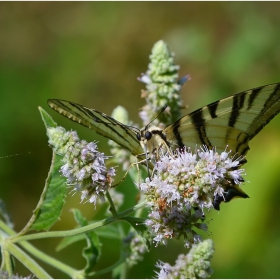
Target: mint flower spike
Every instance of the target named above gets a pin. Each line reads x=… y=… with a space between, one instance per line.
x=183 y=182
x=136 y=247
x=84 y=167
x=162 y=86
x=196 y=264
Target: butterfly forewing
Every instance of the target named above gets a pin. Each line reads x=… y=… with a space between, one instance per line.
x=231 y=122
x=100 y=122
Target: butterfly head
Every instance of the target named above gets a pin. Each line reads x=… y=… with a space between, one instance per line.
x=151 y=138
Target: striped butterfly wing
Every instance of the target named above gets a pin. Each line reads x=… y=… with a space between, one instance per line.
x=99 y=122
x=231 y=122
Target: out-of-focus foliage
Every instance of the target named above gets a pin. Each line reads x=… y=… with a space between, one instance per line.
x=91 y=53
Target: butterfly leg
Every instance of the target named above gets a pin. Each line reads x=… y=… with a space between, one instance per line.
x=135 y=163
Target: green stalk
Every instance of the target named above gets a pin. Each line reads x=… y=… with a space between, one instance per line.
x=28 y=262
x=77 y=230
x=73 y=273
x=112 y=206
x=6 y=264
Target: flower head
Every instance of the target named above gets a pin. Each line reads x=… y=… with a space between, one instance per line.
x=84 y=167
x=183 y=182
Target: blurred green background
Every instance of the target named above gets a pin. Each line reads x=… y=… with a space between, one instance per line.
x=92 y=53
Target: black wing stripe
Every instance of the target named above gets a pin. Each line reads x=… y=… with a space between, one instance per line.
x=80 y=108
x=242 y=148
x=110 y=124
x=95 y=118
x=212 y=109
x=270 y=109
x=125 y=128
x=199 y=123
x=253 y=96
x=238 y=103
x=177 y=135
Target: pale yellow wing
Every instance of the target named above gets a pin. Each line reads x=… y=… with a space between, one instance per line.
x=102 y=124
x=231 y=122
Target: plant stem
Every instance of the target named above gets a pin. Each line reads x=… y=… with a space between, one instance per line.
x=73 y=273
x=6 y=229
x=28 y=262
x=6 y=264
x=112 y=206
x=38 y=254
x=77 y=230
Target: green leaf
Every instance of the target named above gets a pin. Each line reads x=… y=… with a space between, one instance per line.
x=47 y=119
x=65 y=242
x=93 y=250
x=52 y=199
x=139 y=225
x=79 y=218
x=110 y=231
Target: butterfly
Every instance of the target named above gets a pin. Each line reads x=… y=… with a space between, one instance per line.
x=230 y=122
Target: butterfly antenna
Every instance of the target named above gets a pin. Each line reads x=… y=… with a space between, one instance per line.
x=161 y=111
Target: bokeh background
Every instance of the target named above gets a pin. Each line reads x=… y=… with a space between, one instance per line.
x=91 y=53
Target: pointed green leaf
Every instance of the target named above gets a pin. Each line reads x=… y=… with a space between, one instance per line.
x=47 y=119
x=67 y=241
x=52 y=199
x=110 y=231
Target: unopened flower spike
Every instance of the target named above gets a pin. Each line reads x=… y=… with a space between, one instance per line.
x=84 y=167
x=162 y=86
x=194 y=265
x=136 y=247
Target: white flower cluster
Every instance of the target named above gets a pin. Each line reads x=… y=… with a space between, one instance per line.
x=194 y=265
x=183 y=182
x=84 y=167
